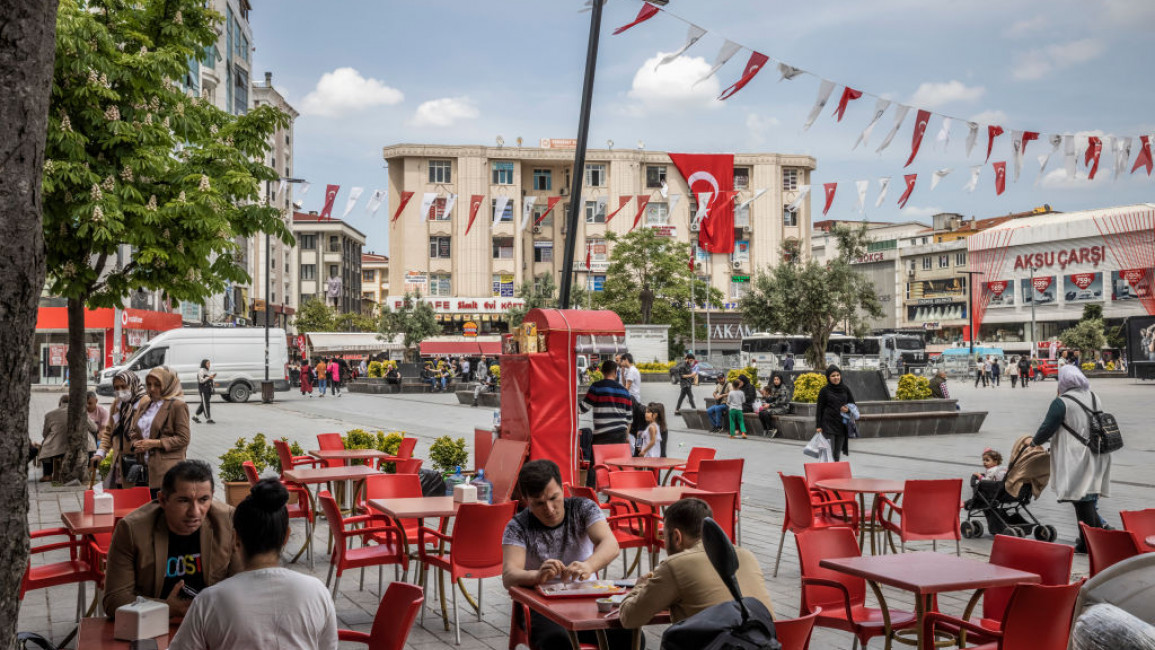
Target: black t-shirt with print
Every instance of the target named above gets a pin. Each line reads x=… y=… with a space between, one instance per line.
x=183 y=563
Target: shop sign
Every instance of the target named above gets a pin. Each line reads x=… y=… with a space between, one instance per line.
x=415 y=282
x=665 y=231
x=469 y=328
x=1042 y=284
x=58 y=355
x=930 y=326
x=870 y=258
x=93 y=354
x=1081 y=287
x=503 y=286
x=1093 y=255
x=739 y=278
x=727 y=328
x=136 y=338
x=997 y=287
x=472 y=306
x=558 y=143
x=936 y=301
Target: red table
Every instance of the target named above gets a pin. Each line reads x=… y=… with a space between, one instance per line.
x=346 y=455
x=307 y=476
x=96 y=634
x=578 y=615
x=654 y=464
x=927 y=574
x=862 y=487
x=84 y=523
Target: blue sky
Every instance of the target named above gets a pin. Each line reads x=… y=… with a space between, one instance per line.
x=368 y=74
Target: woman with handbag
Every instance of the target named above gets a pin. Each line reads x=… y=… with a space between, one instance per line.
x=160 y=431
x=115 y=435
x=832 y=403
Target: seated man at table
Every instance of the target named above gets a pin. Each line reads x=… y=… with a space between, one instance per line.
x=685 y=582
x=554 y=538
x=175 y=546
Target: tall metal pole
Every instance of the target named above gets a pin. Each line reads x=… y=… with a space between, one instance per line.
x=693 y=308
x=579 y=161
x=268 y=281
x=1031 y=288
x=971 y=307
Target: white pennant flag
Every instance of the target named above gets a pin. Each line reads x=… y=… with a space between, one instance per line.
x=703 y=205
x=375 y=201
x=1017 y=152
x=499 y=208
x=427 y=200
x=747 y=202
x=665 y=189
x=883 y=184
x=938 y=176
x=695 y=34
x=788 y=72
x=861 y=186
x=944 y=133
x=1056 y=140
x=449 y=202
x=972 y=136
x=974 y=182
x=824 y=90
x=880 y=107
x=527 y=210
x=899 y=118
x=728 y=50
x=1122 y=154
x=354 y=195
x=304 y=189
x=281 y=188
x=803 y=190
x=601 y=205
x=673 y=204
x=1069 y=155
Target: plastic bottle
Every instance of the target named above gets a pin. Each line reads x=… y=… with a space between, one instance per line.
x=497 y=422
x=484 y=488
x=455 y=479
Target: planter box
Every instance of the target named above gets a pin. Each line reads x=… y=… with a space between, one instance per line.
x=884 y=407
x=655 y=377
x=235 y=492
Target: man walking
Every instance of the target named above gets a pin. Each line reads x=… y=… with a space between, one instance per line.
x=688 y=376
x=1024 y=370
x=631 y=377
x=612 y=410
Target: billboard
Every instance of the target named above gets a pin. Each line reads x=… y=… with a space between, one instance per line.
x=1043 y=291
x=1141 y=346
x=1001 y=292
x=1083 y=287
x=1129 y=284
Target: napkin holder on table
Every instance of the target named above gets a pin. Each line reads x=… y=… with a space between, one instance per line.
x=102 y=504
x=465 y=493
x=143 y=619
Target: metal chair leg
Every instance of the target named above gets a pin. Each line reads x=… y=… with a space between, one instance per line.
x=336 y=585
x=456 y=623
x=424 y=569
x=329 y=579
x=781 y=542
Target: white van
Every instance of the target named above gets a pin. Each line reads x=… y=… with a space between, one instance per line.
x=237 y=356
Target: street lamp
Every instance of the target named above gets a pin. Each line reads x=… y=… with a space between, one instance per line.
x=971 y=306
x=267 y=386
x=1031 y=288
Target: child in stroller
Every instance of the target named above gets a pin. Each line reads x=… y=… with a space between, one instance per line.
x=1001 y=495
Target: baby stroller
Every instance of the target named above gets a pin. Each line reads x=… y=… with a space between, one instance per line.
x=1004 y=503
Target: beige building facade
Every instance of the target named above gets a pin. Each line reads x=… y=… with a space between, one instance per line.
x=374 y=281
x=273 y=257
x=328 y=261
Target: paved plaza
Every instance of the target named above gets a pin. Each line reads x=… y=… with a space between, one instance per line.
x=1012 y=413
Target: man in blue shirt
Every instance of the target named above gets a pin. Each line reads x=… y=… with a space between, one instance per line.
x=612 y=409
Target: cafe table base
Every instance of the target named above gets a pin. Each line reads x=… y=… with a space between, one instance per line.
x=576 y=615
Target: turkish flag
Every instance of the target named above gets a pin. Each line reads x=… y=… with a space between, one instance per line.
x=622 y=201
x=475 y=202
x=692 y=258
x=647 y=12
x=331 y=196
x=992 y=133
x=848 y=94
x=405 y=196
x=916 y=138
x=1094 y=149
x=1000 y=177
x=713 y=173
x=643 y=201
x=830 y=189
x=1144 y=157
x=589 y=256
x=910 y=179
x=753 y=67
x=1027 y=137
x=550 y=203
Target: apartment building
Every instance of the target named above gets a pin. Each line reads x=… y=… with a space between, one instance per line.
x=328 y=260
x=374 y=281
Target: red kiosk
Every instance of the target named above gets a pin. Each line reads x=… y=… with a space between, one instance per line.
x=539 y=389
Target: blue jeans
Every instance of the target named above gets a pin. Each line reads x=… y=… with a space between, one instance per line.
x=716 y=413
x=321 y=385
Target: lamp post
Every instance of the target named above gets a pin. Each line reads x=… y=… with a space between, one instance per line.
x=267 y=385
x=971 y=307
x=1031 y=288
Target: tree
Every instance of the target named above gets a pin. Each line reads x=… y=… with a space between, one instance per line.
x=1085 y=336
x=134 y=159
x=649 y=281
x=314 y=316
x=815 y=299
x=351 y=322
x=413 y=319
x=27 y=37
x=538 y=294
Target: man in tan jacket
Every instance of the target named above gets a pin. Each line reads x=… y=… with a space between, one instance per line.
x=174 y=547
x=685 y=582
x=55 y=438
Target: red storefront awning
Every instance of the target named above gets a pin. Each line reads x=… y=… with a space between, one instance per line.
x=451 y=348
x=490 y=348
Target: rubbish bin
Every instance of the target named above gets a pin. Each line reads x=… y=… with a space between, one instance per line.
x=266 y=392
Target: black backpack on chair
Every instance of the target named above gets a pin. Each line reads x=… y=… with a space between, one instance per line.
x=739 y=624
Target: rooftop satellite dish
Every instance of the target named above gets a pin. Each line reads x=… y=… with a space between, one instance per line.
x=641 y=145
x=519 y=141
x=610 y=144
x=500 y=141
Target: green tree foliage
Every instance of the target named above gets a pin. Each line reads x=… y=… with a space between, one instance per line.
x=806 y=297
x=1086 y=336
x=351 y=322
x=649 y=281
x=414 y=320
x=315 y=316
x=133 y=159
x=537 y=294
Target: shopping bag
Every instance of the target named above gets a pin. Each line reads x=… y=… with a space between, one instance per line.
x=819 y=448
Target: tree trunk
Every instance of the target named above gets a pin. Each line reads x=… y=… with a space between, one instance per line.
x=27 y=52
x=74 y=465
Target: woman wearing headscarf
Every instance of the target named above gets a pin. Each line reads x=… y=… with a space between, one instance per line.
x=775 y=401
x=116 y=434
x=832 y=401
x=1078 y=476
x=160 y=431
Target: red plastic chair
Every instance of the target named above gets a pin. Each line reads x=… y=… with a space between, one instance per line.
x=289 y=461
x=78 y=568
x=600 y=469
x=803 y=514
x=840 y=597
x=406 y=448
x=394 y=619
x=1107 y=547
x=689 y=475
x=723 y=476
x=409 y=466
x=1023 y=624
x=391 y=486
x=474 y=550
x=297 y=510
x=721 y=506
x=929 y=510
x=388 y=548
x=1141 y=524
x=816 y=472
x=794 y=633
x=623 y=526
x=330 y=442
x=122 y=499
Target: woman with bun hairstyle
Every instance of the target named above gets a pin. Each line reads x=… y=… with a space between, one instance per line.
x=266 y=605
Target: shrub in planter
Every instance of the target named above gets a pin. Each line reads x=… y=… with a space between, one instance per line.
x=750 y=373
x=913 y=387
x=1087 y=366
x=595 y=375
x=806 y=387
x=376 y=369
x=447 y=453
x=232 y=469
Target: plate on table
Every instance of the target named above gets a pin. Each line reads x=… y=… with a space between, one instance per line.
x=580 y=589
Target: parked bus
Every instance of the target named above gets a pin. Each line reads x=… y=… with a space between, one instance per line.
x=892 y=353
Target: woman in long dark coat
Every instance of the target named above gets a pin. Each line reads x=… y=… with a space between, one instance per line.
x=832 y=401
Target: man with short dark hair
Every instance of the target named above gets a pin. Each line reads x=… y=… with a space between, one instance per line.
x=631 y=376
x=174 y=547
x=685 y=582
x=687 y=377
x=613 y=409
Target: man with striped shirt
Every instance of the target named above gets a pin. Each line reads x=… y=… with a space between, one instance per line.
x=612 y=409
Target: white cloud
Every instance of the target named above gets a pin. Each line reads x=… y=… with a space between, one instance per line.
x=934 y=95
x=1041 y=62
x=445 y=111
x=1130 y=13
x=990 y=117
x=915 y=213
x=1025 y=27
x=759 y=125
x=345 y=91
x=671 y=87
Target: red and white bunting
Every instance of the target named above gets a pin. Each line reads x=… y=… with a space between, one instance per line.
x=647 y=12
x=695 y=34
x=938 y=176
x=643 y=201
x=1069 y=161
x=405 y=196
x=1144 y=158
x=1091 y=158
x=330 y=198
x=1019 y=142
x=450 y=201
x=622 y=201
x=753 y=67
x=972 y=136
x=426 y=203
x=909 y=179
x=674 y=199
x=1122 y=155
x=351 y=202
x=1056 y=140
x=944 y=133
x=899 y=118
x=848 y=95
x=824 y=90
x=993 y=132
x=976 y=170
x=375 y=201
x=744 y=204
x=1000 y=177
x=830 y=189
x=803 y=191
x=499 y=205
x=788 y=72
x=728 y=50
x=861 y=186
x=549 y=205
x=527 y=210
x=883 y=185
x=880 y=107
x=920 y=124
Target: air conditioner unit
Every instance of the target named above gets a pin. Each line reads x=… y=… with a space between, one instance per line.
x=694 y=226
x=561 y=191
x=536 y=229
x=736 y=265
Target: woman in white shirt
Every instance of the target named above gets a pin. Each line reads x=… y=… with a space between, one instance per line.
x=265 y=606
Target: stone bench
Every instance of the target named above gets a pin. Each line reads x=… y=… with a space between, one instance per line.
x=886 y=425
x=699 y=420
x=488 y=399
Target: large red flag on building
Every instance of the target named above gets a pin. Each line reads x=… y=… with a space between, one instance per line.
x=405 y=196
x=330 y=197
x=1000 y=177
x=713 y=173
x=475 y=202
x=916 y=137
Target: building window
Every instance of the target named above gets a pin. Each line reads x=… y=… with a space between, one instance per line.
x=657 y=214
x=595 y=212
x=308 y=271
x=944 y=261
x=738 y=290
x=439 y=247
x=334 y=270
x=240 y=91
x=503 y=248
x=960 y=259
x=502 y=172
x=741 y=216
x=440 y=171
x=741 y=178
x=596 y=249
x=542 y=179
x=368 y=275
x=334 y=244
x=655 y=176
x=789 y=217
x=437 y=212
x=596 y=282
x=507 y=214
x=308 y=242
x=927 y=264
x=595 y=175
x=439 y=284
x=538 y=210
x=543 y=251
x=789 y=179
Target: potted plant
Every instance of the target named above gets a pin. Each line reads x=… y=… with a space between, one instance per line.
x=232 y=471
x=448 y=453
